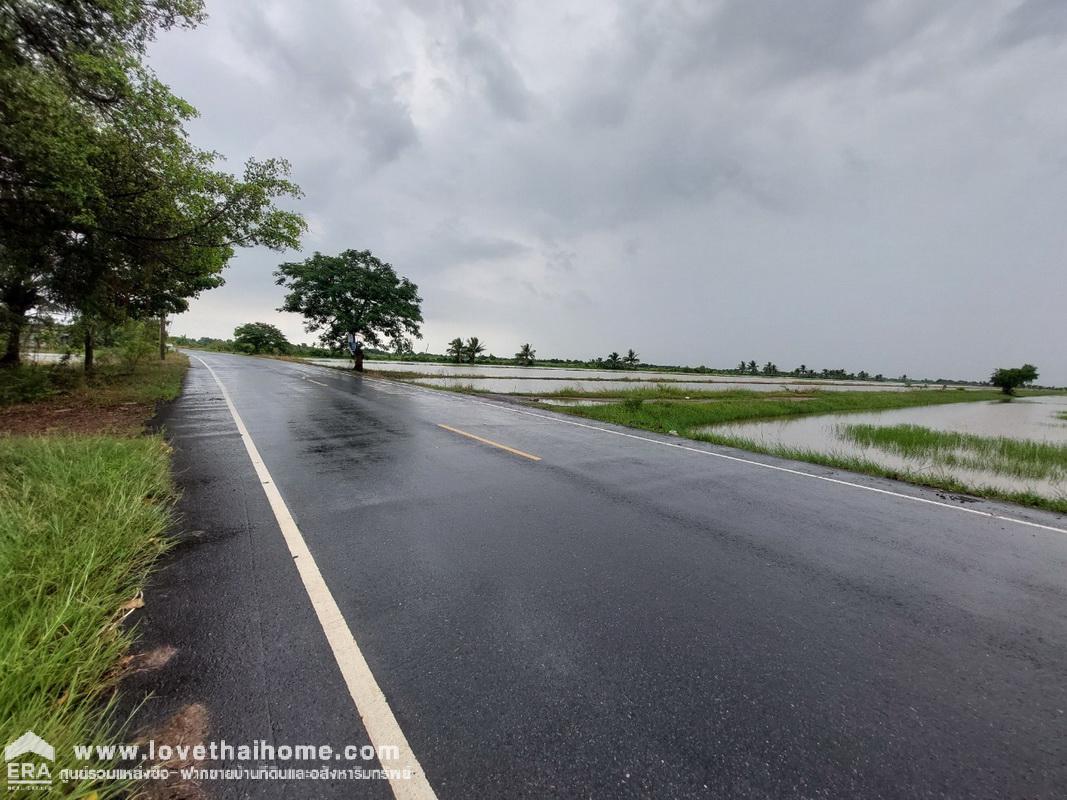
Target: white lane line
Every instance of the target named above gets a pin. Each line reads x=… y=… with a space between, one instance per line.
x=378 y=719
x=750 y=462
x=788 y=470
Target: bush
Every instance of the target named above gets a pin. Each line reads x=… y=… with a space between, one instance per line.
x=135 y=341
x=28 y=382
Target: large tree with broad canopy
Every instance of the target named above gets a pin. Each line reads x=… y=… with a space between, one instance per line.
x=352 y=292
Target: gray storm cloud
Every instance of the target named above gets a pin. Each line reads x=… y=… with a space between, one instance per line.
x=866 y=185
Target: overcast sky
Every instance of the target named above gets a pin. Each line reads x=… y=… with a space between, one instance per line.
x=863 y=185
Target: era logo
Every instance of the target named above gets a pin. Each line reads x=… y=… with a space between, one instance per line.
x=25 y=774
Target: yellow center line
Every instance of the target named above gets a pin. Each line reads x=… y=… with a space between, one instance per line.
x=489 y=442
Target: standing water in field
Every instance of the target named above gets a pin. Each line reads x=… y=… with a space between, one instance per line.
x=1015 y=446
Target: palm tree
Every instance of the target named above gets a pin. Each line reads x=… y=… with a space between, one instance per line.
x=742 y=366
x=526 y=354
x=752 y=367
x=456 y=350
x=473 y=348
x=631 y=358
x=613 y=361
x=770 y=368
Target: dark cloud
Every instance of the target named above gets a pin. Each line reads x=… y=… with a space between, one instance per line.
x=1035 y=19
x=505 y=90
x=871 y=185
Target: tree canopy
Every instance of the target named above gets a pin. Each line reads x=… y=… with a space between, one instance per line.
x=261 y=337
x=106 y=207
x=1010 y=379
x=526 y=355
x=353 y=292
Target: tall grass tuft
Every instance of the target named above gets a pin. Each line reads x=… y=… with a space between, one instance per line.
x=1021 y=458
x=82 y=519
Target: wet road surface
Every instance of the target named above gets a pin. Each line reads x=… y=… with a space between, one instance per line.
x=589 y=614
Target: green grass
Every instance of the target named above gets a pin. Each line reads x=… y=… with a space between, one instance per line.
x=661 y=411
x=664 y=415
x=865 y=466
x=111 y=383
x=1019 y=458
x=82 y=519
x=1061 y=415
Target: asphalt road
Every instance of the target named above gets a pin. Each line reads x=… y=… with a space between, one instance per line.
x=622 y=618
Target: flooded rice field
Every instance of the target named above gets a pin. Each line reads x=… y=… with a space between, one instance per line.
x=550 y=385
x=1031 y=419
x=510 y=379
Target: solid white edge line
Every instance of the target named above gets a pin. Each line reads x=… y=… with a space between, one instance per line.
x=378 y=720
x=788 y=470
x=738 y=459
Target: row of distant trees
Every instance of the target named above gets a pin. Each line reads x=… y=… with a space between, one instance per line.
x=264 y=338
x=468 y=351
x=771 y=369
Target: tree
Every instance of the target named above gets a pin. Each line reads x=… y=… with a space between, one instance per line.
x=1009 y=379
x=613 y=361
x=352 y=292
x=741 y=367
x=526 y=354
x=105 y=206
x=631 y=358
x=752 y=367
x=456 y=350
x=770 y=368
x=262 y=337
x=473 y=348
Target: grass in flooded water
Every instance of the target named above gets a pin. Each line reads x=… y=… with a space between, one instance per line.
x=865 y=466
x=1020 y=458
x=657 y=409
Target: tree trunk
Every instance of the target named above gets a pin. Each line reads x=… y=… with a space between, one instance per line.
x=18 y=305
x=90 y=342
x=162 y=337
x=13 y=352
x=357 y=357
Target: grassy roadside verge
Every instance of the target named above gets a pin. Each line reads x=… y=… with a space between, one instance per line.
x=82 y=520
x=665 y=415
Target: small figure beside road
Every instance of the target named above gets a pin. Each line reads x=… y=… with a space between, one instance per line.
x=355 y=347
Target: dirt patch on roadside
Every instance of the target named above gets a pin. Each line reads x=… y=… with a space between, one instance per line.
x=67 y=415
x=186 y=729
